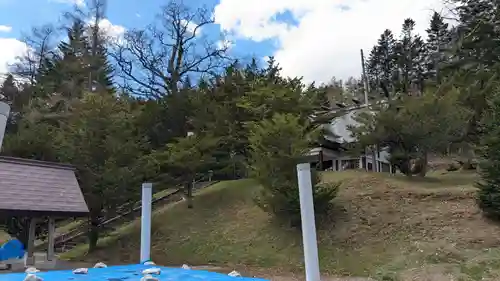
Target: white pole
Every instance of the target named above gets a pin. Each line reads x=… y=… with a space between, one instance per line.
x=308 y=223
x=147 y=196
x=4 y=115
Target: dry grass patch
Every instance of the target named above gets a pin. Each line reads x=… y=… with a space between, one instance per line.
x=382 y=226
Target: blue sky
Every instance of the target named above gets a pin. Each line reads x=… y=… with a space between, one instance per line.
x=316 y=39
x=20 y=16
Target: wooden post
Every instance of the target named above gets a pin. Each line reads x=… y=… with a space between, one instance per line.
x=30 y=255
x=320 y=160
x=50 y=247
x=190 y=194
x=365 y=78
x=210 y=175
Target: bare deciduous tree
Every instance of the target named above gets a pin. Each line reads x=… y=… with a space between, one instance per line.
x=154 y=61
x=41 y=43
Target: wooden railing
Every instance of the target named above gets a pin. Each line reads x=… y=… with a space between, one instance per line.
x=82 y=230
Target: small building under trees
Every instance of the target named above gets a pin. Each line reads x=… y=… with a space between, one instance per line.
x=35 y=192
x=335 y=151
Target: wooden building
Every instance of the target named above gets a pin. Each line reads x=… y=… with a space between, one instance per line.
x=333 y=153
x=39 y=190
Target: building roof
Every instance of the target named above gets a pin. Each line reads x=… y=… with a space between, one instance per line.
x=339 y=125
x=38 y=188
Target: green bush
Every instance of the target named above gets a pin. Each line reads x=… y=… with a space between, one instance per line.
x=489 y=186
x=276 y=147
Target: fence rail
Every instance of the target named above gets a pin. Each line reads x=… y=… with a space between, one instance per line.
x=82 y=230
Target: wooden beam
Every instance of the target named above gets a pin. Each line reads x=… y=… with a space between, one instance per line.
x=320 y=160
x=50 y=246
x=30 y=255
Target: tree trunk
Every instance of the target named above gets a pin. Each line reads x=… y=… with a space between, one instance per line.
x=408 y=167
x=404 y=164
x=320 y=160
x=189 y=195
x=423 y=165
x=93 y=233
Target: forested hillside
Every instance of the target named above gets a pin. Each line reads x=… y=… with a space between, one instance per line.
x=164 y=104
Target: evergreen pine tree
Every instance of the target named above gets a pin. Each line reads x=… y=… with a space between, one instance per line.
x=438 y=42
x=15 y=96
x=419 y=66
x=102 y=70
x=404 y=55
x=76 y=68
x=8 y=90
x=67 y=73
x=489 y=186
x=478 y=31
x=75 y=61
x=410 y=60
x=374 y=68
x=476 y=56
x=381 y=66
x=46 y=78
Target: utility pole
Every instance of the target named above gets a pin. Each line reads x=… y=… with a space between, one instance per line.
x=365 y=78
x=366 y=90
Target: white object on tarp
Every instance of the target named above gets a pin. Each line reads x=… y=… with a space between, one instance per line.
x=100 y=265
x=32 y=277
x=151 y=271
x=308 y=222
x=4 y=115
x=234 y=273
x=147 y=198
x=149 y=263
x=81 y=271
x=185 y=266
x=31 y=270
x=149 y=278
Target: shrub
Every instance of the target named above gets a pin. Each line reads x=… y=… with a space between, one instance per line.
x=489 y=186
x=276 y=147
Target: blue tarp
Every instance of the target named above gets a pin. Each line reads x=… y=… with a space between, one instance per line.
x=129 y=273
x=12 y=249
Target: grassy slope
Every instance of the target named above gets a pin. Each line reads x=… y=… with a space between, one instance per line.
x=66 y=226
x=381 y=225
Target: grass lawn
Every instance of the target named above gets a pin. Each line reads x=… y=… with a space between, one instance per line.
x=381 y=226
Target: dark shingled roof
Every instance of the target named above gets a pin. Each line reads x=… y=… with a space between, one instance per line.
x=38 y=188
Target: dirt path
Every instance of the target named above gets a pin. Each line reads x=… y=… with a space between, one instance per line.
x=278 y=276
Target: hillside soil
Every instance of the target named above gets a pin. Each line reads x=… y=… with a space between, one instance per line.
x=382 y=226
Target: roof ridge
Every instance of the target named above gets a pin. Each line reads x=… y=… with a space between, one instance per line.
x=39 y=163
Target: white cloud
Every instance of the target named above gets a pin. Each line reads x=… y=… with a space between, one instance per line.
x=10 y=48
x=5 y=28
x=79 y=3
x=191 y=26
x=224 y=43
x=113 y=32
x=328 y=37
